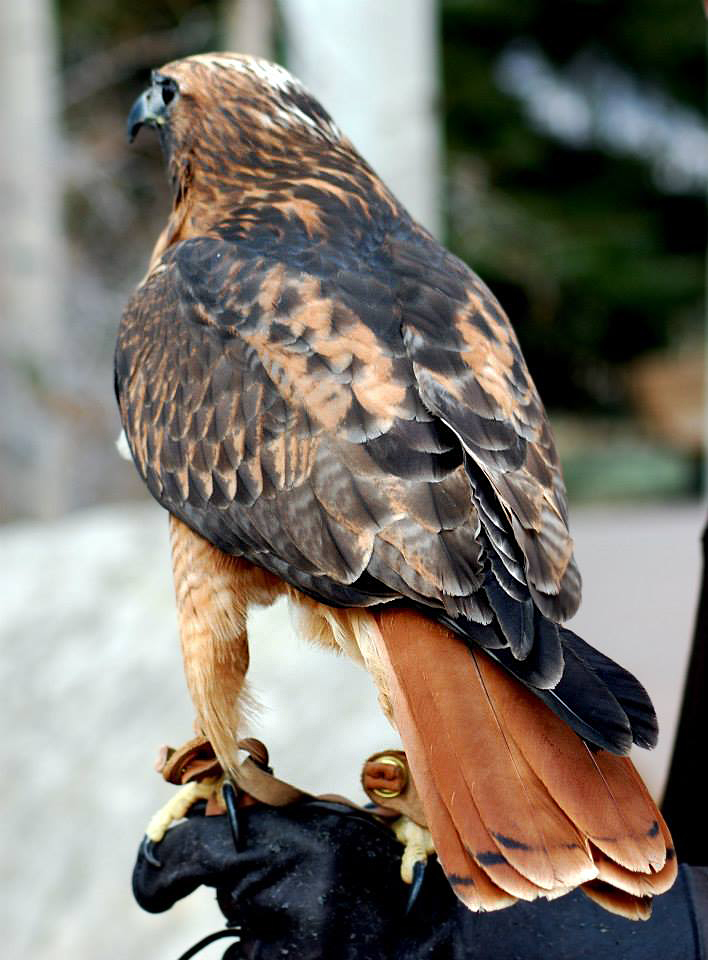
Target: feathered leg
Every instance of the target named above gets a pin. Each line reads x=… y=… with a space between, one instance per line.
x=214 y=591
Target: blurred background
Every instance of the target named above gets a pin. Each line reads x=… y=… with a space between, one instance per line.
x=561 y=148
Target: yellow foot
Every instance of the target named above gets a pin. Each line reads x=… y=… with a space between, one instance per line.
x=418 y=844
x=178 y=805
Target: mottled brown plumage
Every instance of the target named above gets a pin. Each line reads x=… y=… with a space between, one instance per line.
x=332 y=406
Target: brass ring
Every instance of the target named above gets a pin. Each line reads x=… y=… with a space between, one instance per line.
x=392 y=761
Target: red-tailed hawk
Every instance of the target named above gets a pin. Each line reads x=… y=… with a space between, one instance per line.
x=332 y=406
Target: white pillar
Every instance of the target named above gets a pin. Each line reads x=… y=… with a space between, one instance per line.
x=31 y=255
x=374 y=66
x=247 y=26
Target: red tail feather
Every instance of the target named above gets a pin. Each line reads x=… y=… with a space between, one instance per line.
x=517 y=804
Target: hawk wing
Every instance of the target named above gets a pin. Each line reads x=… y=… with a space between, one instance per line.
x=264 y=412
x=471 y=373
x=366 y=429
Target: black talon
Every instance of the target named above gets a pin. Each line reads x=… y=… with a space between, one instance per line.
x=147 y=848
x=205 y=941
x=418 y=874
x=232 y=813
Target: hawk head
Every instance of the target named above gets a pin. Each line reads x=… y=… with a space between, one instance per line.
x=232 y=125
x=232 y=99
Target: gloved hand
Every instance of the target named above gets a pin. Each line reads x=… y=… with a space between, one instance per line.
x=321 y=881
x=316 y=879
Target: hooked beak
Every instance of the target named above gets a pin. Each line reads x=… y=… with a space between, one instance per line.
x=149 y=109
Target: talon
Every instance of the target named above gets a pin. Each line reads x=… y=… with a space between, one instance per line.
x=147 y=848
x=177 y=807
x=418 y=845
x=229 y=795
x=417 y=884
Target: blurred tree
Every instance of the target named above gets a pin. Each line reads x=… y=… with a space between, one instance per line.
x=374 y=66
x=31 y=263
x=577 y=171
x=249 y=26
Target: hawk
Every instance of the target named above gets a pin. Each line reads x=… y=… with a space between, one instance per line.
x=333 y=407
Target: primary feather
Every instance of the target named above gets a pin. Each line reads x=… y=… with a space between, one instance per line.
x=333 y=406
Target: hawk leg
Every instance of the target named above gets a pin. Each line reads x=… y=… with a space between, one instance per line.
x=214 y=591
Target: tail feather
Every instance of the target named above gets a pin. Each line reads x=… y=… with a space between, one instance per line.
x=564 y=854
x=515 y=617
x=627 y=893
x=639 y=884
x=581 y=691
x=637 y=811
x=667 y=873
x=473 y=886
x=618 y=901
x=508 y=821
x=595 y=696
x=628 y=691
x=595 y=789
x=518 y=805
x=581 y=699
x=469 y=881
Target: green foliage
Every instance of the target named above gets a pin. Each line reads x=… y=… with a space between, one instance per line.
x=594 y=263
x=90 y=25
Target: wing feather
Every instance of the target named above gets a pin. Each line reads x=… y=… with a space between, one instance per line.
x=366 y=430
x=471 y=374
x=295 y=435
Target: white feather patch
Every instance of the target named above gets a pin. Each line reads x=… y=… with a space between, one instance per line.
x=280 y=81
x=354 y=632
x=122 y=446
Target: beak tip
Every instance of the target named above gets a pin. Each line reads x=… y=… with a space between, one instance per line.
x=140 y=114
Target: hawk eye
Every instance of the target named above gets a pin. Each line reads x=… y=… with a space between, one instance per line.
x=169 y=91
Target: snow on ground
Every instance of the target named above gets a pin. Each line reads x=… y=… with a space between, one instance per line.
x=92 y=684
